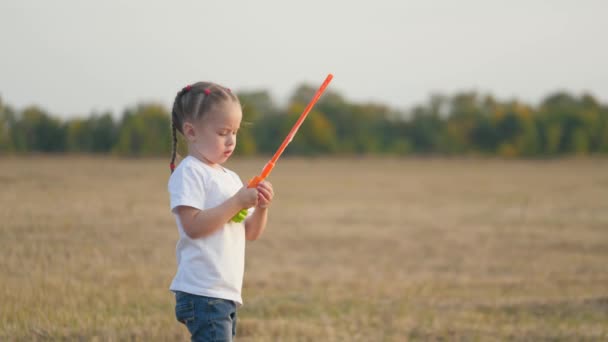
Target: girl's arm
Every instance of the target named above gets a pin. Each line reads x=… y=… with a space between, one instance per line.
x=256 y=223
x=202 y=223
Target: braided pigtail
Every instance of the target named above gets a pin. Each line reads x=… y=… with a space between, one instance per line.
x=176 y=123
x=173 y=146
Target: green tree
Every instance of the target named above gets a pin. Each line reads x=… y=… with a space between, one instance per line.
x=517 y=131
x=78 y=136
x=424 y=130
x=573 y=121
x=315 y=136
x=255 y=105
x=7 y=123
x=460 y=127
x=104 y=131
x=144 y=131
x=36 y=131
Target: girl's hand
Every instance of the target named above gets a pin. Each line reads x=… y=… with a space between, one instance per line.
x=247 y=197
x=265 y=194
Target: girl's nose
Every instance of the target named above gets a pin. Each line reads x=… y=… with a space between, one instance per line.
x=231 y=140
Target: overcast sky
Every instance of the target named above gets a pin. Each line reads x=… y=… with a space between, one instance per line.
x=75 y=56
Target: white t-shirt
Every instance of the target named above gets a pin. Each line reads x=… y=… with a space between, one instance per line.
x=212 y=266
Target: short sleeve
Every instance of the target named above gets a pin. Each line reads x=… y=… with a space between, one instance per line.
x=186 y=187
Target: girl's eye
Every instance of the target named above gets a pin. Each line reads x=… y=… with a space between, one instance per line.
x=225 y=133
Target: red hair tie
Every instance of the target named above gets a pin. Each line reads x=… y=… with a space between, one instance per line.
x=187 y=88
x=172 y=166
x=207 y=91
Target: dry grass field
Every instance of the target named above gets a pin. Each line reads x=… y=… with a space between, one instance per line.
x=356 y=250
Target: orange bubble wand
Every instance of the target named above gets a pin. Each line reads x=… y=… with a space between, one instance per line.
x=271 y=163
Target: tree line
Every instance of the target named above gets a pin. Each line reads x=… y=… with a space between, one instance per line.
x=466 y=123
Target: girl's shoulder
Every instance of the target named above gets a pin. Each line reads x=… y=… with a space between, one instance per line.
x=189 y=167
x=232 y=173
x=186 y=164
x=192 y=167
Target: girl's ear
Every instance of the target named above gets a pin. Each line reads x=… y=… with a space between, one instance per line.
x=189 y=132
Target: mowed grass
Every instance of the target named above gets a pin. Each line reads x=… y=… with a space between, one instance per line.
x=356 y=250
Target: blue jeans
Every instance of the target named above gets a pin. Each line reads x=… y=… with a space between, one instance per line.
x=207 y=318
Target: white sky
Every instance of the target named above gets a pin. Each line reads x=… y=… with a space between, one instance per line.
x=75 y=56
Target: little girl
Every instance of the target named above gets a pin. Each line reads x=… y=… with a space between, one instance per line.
x=204 y=197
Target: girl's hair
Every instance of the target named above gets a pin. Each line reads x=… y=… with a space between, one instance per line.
x=191 y=104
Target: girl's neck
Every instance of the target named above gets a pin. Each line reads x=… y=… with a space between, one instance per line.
x=204 y=160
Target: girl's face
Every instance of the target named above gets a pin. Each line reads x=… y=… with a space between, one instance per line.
x=213 y=138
